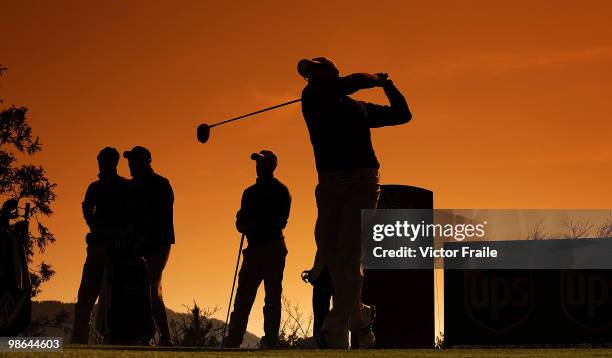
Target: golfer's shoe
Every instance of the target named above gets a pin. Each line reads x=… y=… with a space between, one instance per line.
x=315 y=342
x=268 y=343
x=165 y=342
x=230 y=343
x=367 y=339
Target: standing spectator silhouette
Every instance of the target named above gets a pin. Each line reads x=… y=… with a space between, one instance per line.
x=339 y=128
x=152 y=204
x=262 y=217
x=104 y=210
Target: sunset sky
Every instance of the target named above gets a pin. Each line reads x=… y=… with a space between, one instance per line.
x=511 y=104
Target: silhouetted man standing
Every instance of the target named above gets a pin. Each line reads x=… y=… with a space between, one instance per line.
x=339 y=128
x=104 y=210
x=152 y=205
x=262 y=217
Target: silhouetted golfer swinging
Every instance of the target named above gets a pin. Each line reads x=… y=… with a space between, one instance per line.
x=339 y=128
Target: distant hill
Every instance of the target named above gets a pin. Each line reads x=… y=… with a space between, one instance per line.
x=52 y=308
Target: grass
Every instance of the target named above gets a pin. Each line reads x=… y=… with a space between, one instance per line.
x=463 y=353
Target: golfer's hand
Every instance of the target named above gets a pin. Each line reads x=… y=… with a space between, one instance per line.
x=241 y=227
x=382 y=78
x=241 y=224
x=244 y=223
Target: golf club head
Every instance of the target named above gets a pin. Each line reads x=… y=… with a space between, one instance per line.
x=203 y=132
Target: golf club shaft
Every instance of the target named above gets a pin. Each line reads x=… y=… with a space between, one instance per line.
x=256 y=112
x=229 y=307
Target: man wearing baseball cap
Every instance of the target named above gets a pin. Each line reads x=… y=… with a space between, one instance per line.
x=104 y=210
x=263 y=215
x=347 y=167
x=152 y=207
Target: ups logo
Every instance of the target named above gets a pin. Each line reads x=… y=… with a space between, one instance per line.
x=586 y=298
x=498 y=300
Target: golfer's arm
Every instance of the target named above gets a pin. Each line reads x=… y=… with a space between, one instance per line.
x=167 y=198
x=357 y=81
x=286 y=209
x=88 y=214
x=89 y=208
x=167 y=211
x=241 y=212
x=395 y=114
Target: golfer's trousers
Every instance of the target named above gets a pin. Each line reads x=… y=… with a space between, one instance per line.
x=322 y=292
x=265 y=262
x=91 y=280
x=340 y=198
x=156 y=263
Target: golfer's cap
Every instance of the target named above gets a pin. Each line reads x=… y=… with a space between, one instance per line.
x=265 y=156
x=109 y=153
x=305 y=66
x=138 y=153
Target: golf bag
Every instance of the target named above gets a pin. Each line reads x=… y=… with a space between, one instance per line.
x=15 y=285
x=124 y=310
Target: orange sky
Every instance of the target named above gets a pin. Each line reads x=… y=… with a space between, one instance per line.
x=511 y=104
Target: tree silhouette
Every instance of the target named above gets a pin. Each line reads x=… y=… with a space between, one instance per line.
x=604 y=230
x=26 y=183
x=537 y=231
x=196 y=329
x=294 y=325
x=577 y=229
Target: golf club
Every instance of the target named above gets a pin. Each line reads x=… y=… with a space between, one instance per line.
x=203 y=131
x=229 y=306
